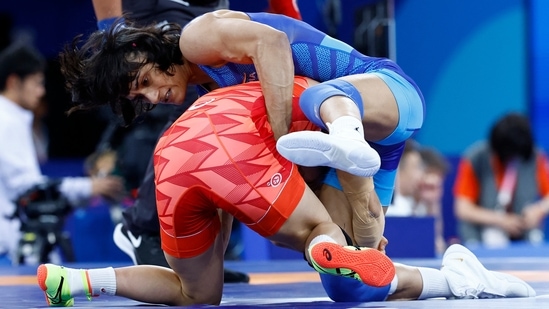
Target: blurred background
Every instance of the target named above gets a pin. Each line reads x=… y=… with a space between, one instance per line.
x=474 y=61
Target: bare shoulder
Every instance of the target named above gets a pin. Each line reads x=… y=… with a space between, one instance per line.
x=211 y=23
x=229 y=14
x=210 y=17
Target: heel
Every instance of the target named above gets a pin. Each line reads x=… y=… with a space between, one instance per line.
x=365 y=264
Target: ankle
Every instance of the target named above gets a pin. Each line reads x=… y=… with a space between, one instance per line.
x=102 y=281
x=347 y=125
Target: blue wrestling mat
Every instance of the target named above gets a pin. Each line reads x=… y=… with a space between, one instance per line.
x=290 y=284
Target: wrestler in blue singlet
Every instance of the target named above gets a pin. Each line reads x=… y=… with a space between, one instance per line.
x=322 y=58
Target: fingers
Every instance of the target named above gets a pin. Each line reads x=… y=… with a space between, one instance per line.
x=383 y=244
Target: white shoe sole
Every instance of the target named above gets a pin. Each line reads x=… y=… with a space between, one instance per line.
x=123 y=243
x=468 y=278
x=314 y=148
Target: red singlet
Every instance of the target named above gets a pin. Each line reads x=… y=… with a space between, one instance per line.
x=221 y=154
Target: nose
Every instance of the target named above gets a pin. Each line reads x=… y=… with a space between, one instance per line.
x=151 y=95
x=41 y=90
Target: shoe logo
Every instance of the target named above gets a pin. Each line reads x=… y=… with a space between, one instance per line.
x=327 y=254
x=197 y=106
x=56 y=299
x=136 y=242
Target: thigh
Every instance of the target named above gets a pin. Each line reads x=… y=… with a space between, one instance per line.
x=381 y=114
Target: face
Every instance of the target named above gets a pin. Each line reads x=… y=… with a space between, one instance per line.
x=432 y=186
x=30 y=90
x=410 y=173
x=156 y=87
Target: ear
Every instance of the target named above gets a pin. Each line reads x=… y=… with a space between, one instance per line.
x=13 y=82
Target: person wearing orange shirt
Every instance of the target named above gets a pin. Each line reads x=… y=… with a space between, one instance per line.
x=502 y=186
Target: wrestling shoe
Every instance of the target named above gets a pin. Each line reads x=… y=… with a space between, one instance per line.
x=54 y=281
x=468 y=278
x=368 y=265
x=336 y=150
x=122 y=240
x=146 y=249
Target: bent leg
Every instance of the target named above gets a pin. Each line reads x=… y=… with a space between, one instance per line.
x=346 y=107
x=196 y=280
x=310 y=227
x=380 y=116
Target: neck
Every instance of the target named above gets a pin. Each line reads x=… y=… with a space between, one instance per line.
x=197 y=76
x=10 y=95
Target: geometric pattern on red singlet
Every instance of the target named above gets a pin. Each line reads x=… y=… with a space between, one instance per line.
x=223 y=143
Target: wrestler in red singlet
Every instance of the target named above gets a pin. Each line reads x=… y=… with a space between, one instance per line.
x=221 y=154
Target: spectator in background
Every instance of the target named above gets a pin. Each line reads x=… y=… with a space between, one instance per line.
x=420 y=187
x=21 y=89
x=502 y=186
x=410 y=172
x=431 y=191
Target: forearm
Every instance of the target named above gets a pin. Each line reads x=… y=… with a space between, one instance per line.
x=368 y=219
x=107 y=8
x=476 y=214
x=275 y=69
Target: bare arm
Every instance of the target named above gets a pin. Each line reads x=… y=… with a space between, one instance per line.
x=535 y=213
x=368 y=218
x=107 y=8
x=468 y=211
x=356 y=209
x=227 y=36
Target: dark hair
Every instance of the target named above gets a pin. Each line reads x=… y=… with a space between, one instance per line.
x=511 y=137
x=20 y=59
x=410 y=146
x=434 y=160
x=102 y=70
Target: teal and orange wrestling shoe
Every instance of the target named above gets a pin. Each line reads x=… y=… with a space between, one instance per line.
x=365 y=264
x=55 y=281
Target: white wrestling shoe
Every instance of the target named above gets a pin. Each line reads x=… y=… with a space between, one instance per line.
x=336 y=150
x=468 y=278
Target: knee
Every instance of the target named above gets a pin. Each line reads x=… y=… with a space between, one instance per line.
x=313 y=97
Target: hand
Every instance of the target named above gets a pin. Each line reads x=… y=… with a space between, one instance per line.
x=533 y=215
x=110 y=187
x=513 y=224
x=383 y=244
